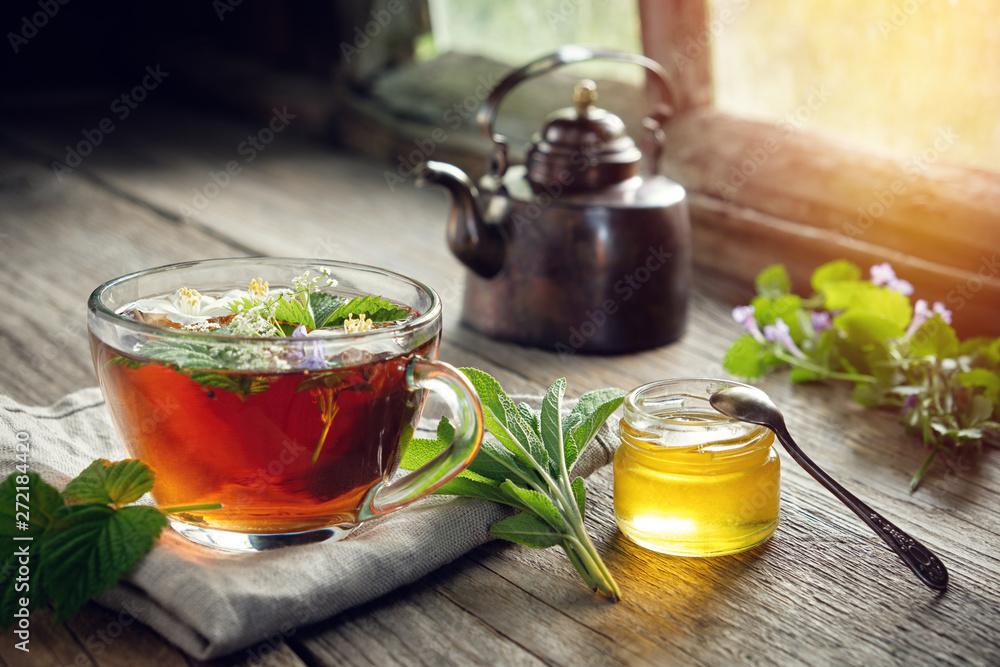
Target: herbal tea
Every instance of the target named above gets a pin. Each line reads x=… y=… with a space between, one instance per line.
x=292 y=444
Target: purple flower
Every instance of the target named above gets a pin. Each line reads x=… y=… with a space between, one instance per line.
x=922 y=312
x=744 y=316
x=779 y=333
x=910 y=402
x=820 y=320
x=308 y=355
x=884 y=275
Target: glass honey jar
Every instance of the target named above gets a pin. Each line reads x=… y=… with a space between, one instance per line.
x=689 y=481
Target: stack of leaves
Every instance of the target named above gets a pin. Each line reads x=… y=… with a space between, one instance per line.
x=62 y=549
x=898 y=355
x=526 y=465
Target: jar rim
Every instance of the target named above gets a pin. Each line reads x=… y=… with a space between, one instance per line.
x=669 y=395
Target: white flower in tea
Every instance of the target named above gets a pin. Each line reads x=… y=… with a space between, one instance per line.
x=186 y=306
x=359 y=325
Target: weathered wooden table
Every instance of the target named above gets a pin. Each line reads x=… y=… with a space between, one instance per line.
x=824 y=590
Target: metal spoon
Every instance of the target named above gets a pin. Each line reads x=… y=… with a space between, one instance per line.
x=752 y=405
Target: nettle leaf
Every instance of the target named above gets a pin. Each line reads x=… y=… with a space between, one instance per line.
x=527 y=529
x=836 y=271
x=323 y=305
x=749 y=358
x=551 y=422
x=293 y=309
x=862 y=296
x=186 y=354
x=94 y=546
x=237 y=383
x=117 y=483
x=773 y=280
x=935 y=337
x=586 y=421
x=376 y=308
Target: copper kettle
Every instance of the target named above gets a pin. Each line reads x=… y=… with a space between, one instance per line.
x=574 y=250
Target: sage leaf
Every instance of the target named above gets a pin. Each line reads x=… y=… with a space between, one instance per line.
x=527 y=529
x=537 y=502
x=551 y=423
x=580 y=493
x=586 y=418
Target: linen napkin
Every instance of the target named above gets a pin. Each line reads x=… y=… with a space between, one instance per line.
x=211 y=603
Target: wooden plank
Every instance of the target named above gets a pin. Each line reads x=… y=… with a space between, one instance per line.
x=675 y=33
x=822 y=591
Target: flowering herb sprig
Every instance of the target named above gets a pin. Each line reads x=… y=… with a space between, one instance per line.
x=899 y=355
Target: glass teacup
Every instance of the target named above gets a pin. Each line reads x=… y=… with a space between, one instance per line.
x=296 y=437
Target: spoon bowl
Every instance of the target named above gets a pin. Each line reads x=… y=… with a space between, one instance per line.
x=752 y=405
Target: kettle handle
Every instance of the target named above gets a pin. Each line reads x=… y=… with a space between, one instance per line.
x=568 y=55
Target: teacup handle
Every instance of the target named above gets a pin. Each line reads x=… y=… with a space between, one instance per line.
x=460 y=397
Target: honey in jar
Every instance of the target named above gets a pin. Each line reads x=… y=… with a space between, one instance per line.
x=689 y=481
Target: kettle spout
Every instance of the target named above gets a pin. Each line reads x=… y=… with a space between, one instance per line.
x=476 y=243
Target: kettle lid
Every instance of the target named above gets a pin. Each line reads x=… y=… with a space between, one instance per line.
x=582 y=148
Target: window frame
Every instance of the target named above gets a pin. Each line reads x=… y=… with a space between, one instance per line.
x=801 y=197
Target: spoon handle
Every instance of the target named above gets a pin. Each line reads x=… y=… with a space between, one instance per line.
x=917 y=557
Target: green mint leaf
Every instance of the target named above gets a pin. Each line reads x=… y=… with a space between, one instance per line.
x=526 y=529
x=586 y=419
x=496 y=462
x=934 y=338
x=323 y=305
x=835 y=271
x=118 y=483
x=861 y=296
x=580 y=494
x=551 y=423
x=291 y=309
x=981 y=378
x=376 y=308
x=749 y=358
x=91 y=548
x=773 y=280
x=536 y=501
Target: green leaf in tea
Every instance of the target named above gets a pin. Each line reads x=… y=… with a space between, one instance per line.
x=376 y=308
